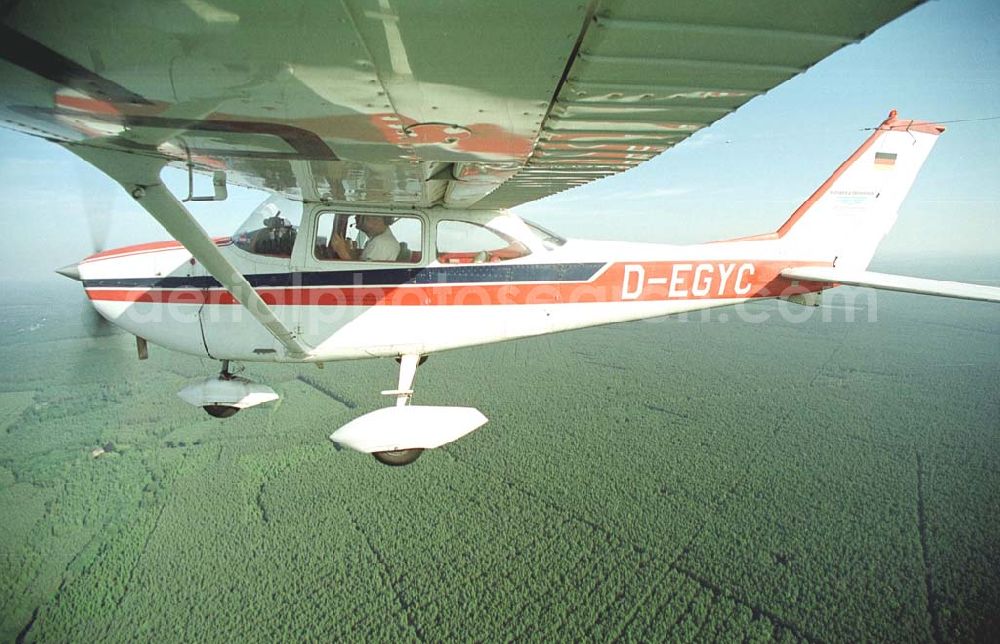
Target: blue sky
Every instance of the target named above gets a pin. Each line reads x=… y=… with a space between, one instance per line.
x=744 y=175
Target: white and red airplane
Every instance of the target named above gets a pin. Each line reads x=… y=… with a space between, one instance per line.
x=392 y=156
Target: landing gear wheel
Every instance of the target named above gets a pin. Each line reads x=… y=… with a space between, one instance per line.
x=398 y=457
x=220 y=411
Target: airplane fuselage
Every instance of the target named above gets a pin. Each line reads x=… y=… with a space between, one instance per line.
x=357 y=309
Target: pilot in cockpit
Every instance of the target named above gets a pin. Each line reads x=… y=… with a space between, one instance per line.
x=276 y=238
x=381 y=246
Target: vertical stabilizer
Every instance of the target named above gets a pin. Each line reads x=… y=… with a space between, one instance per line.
x=847 y=217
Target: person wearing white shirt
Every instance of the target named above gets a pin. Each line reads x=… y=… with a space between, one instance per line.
x=381 y=246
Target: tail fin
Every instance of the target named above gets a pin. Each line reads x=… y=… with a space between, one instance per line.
x=846 y=218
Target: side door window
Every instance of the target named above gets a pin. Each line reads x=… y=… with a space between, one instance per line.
x=368 y=238
x=463 y=242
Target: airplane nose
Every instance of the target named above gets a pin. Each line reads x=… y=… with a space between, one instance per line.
x=71 y=271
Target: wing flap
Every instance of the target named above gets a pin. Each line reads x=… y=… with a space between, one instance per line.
x=889 y=282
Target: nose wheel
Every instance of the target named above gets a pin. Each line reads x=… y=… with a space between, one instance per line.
x=224 y=395
x=220 y=411
x=217 y=410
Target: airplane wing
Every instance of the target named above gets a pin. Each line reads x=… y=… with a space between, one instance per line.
x=889 y=282
x=473 y=105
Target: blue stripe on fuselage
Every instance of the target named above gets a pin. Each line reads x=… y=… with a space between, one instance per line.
x=459 y=274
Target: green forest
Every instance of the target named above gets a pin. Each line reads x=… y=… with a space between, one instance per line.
x=698 y=478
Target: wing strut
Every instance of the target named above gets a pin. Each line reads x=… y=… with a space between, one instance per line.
x=140 y=176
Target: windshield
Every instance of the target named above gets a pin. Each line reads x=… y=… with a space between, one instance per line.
x=271 y=228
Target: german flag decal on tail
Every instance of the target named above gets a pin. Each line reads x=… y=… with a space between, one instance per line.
x=885 y=159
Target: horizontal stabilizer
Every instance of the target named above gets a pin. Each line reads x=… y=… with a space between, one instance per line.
x=890 y=282
x=408 y=427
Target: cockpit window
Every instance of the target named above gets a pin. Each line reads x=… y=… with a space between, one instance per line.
x=368 y=238
x=549 y=239
x=463 y=242
x=271 y=228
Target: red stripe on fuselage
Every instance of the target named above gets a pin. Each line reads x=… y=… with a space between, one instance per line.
x=621 y=282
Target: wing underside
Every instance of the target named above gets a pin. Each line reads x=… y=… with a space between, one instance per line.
x=474 y=105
